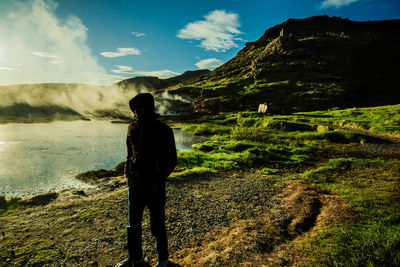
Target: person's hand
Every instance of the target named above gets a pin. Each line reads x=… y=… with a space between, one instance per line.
x=126 y=179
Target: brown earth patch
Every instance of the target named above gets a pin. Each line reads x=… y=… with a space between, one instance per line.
x=270 y=239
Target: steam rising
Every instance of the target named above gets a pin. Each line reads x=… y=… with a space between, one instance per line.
x=39 y=50
x=87 y=100
x=39 y=47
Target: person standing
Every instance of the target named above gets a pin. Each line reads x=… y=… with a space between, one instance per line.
x=151 y=159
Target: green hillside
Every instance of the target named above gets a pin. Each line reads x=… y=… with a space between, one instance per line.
x=307 y=64
x=154 y=83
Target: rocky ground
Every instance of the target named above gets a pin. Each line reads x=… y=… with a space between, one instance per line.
x=88 y=228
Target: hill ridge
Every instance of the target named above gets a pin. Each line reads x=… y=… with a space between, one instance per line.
x=315 y=63
x=154 y=83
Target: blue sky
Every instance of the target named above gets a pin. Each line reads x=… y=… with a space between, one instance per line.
x=104 y=41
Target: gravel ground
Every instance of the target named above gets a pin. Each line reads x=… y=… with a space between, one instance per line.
x=381 y=150
x=90 y=229
x=200 y=206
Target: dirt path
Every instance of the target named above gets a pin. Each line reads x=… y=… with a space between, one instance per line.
x=274 y=238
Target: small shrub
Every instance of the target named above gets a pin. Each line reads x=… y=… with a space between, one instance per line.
x=323 y=129
x=120 y=168
x=92 y=176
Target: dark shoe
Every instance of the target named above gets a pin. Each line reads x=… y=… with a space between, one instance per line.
x=128 y=263
x=140 y=262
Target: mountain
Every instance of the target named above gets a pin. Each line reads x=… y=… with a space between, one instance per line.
x=307 y=64
x=155 y=83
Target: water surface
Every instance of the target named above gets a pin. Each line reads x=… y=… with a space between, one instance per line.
x=40 y=157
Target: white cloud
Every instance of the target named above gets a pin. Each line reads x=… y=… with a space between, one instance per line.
x=209 y=63
x=139 y=34
x=122 y=52
x=34 y=33
x=162 y=74
x=217 y=32
x=336 y=3
x=124 y=70
x=111 y=79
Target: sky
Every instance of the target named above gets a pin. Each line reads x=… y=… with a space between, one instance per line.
x=104 y=41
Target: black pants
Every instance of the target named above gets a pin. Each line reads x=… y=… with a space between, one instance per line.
x=156 y=205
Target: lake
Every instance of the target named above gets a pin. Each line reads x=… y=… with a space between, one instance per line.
x=41 y=157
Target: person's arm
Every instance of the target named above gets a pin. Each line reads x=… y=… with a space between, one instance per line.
x=170 y=156
x=129 y=152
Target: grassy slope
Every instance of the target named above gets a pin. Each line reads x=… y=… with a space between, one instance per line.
x=320 y=155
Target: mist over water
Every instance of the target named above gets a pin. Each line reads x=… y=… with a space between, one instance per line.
x=87 y=100
x=40 y=157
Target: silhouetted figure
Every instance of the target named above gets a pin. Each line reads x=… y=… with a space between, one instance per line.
x=151 y=159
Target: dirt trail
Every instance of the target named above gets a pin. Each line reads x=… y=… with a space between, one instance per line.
x=266 y=240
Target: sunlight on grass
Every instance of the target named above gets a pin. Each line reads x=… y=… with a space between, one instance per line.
x=370 y=187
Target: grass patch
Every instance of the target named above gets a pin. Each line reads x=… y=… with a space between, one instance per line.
x=370 y=187
x=381 y=119
x=205 y=129
x=194 y=172
x=327 y=173
x=36 y=252
x=287 y=126
x=237 y=155
x=45 y=256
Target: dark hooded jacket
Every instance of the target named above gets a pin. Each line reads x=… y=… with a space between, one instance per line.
x=151 y=154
